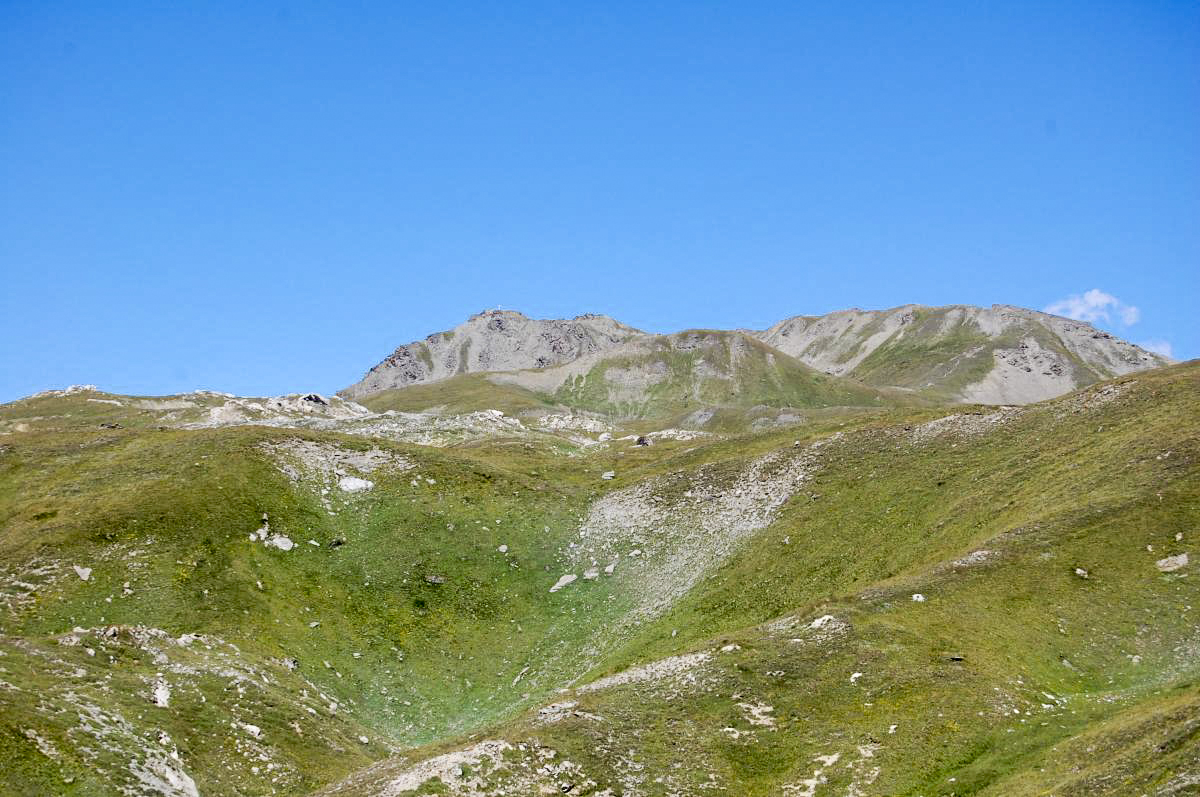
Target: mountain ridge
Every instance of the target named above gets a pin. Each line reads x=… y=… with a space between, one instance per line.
x=1002 y=354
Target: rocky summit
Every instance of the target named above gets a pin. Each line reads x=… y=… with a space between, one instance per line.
x=995 y=355
x=496 y=340
x=923 y=551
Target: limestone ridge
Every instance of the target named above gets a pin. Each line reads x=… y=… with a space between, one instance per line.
x=494 y=340
x=995 y=355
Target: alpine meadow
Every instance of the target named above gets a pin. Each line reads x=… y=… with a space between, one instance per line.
x=935 y=551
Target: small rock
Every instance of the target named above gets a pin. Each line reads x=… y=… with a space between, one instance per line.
x=84 y=573
x=855 y=676
x=1168 y=565
x=353 y=484
x=1079 y=571
x=435 y=579
x=364 y=740
x=918 y=597
x=608 y=475
x=161 y=696
x=503 y=549
x=563 y=581
x=281 y=541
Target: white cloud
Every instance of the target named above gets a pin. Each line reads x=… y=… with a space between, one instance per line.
x=1162 y=347
x=1095 y=306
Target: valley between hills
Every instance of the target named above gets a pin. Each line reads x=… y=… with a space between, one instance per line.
x=922 y=551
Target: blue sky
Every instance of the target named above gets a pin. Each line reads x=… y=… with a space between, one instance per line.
x=271 y=199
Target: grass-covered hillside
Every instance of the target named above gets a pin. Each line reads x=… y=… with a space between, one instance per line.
x=218 y=599
x=699 y=369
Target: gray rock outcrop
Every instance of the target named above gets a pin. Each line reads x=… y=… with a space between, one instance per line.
x=494 y=340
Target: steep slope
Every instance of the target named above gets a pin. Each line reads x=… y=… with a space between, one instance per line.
x=495 y=340
x=995 y=355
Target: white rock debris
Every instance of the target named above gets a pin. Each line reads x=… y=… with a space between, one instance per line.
x=448 y=767
x=963 y=425
x=556 y=711
x=1172 y=563
x=353 y=484
x=563 y=581
x=758 y=714
x=683 y=523
x=576 y=423
x=161 y=695
x=253 y=730
x=808 y=786
x=676 y=667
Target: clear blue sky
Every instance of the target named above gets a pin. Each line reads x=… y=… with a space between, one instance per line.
x=270 y=200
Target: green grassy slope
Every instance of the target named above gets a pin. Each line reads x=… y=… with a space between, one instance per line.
x=709 y=368
x=1059 y=661
x=462 y=393
x=406 y=625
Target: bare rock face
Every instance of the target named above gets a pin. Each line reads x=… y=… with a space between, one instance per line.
x=988 y=355
x=495 y=340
